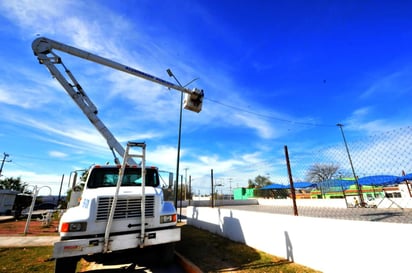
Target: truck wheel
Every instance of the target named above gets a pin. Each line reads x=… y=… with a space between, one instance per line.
x=66 y=265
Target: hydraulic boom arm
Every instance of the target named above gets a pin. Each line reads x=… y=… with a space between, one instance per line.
x=44 y=48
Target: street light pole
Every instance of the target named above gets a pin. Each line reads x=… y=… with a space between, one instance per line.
x=351 y=165
x=170 y=73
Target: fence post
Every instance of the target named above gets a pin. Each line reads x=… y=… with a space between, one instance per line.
x=212 y=197
x=292 y=188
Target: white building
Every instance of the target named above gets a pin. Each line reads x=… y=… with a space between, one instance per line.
x=7 y=198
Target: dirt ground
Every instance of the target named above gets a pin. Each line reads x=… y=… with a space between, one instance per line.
x=36 y=227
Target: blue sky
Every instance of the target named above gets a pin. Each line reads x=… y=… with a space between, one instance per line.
x=274 y=73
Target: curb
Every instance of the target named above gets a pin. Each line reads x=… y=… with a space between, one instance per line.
x=187 y=265
x=27 y=241
x=6 y=218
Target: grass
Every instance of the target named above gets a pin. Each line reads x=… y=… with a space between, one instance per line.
x=23 y=260
x=211 y=253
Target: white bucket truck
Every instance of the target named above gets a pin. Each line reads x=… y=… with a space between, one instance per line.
x=122 y=209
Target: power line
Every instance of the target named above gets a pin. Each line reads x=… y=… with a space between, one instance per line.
x=268 y=116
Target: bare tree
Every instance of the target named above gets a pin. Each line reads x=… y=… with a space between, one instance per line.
x=321 y=172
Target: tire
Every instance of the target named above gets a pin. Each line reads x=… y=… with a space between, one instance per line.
x=66 y=265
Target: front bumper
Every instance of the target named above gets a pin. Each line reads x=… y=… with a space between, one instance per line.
x=82 y=247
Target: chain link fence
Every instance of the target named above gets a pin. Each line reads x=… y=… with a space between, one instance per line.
x=380 y=160
x=371 y=176
x=362 y=178
x=386 y=154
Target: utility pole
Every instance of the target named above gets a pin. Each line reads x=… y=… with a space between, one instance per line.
x=190 y=189
x=351 y=165
x=2 y=162
x=230 y=188
x=186 y=182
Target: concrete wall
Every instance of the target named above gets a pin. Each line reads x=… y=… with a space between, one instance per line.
x=324 y=203
x=338 y=203
x=208 y=203
x=327 y=245
x=405 y=202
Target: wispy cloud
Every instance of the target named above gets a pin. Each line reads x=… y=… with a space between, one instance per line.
x=262 y=128
x=364 y=120
x=57 y=154
x=48 y=183
x=395 y=83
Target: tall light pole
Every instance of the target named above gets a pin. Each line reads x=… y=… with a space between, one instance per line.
x=170 y=73
x=351 y=165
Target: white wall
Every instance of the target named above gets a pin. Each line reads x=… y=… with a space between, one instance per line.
x=330 y=203
x=327 y=245
x=208 y=203
x=7 y=198
x=404 y=202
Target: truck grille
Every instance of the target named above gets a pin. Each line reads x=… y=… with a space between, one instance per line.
x=125 y=208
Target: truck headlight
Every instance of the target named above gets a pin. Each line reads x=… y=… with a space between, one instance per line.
x=73 y=227
x=168 y=218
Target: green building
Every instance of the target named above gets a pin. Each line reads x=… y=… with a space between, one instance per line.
x=243 y=193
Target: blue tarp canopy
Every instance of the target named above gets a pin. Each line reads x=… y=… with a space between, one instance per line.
x=379 y=180
x=297 y=185
x=340 y=183
x=374 y=180
x=407 y=176
x=275 y=187
x=300 y=185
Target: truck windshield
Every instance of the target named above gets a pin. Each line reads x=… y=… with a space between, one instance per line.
x=107 y=177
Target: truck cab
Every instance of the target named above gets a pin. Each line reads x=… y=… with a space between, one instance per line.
x=82 y=228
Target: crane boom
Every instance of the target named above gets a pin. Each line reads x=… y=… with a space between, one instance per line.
x=44 y=48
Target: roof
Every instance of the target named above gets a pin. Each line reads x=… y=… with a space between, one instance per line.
x=275 y=186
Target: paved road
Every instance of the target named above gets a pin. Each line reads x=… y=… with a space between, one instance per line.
x=395 y=215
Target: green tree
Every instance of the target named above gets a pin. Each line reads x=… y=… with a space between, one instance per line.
x=22 y=200
x=259 y=182
x=14 y=184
